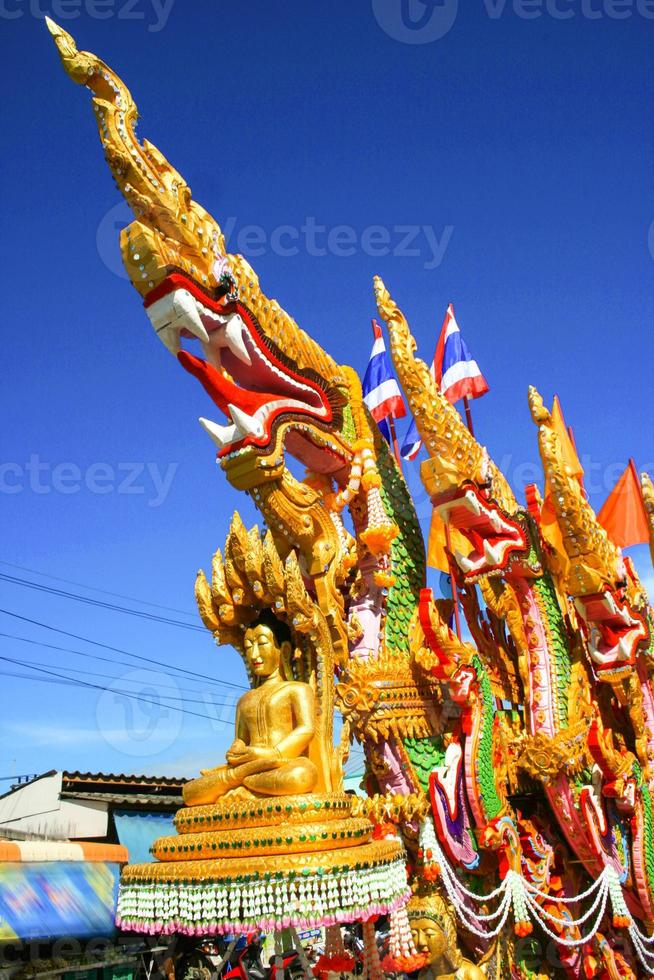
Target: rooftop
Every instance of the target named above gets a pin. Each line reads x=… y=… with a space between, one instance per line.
x=123 y=779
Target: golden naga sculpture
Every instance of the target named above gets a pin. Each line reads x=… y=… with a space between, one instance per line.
x=592 y=555
x=468 y=491
x=172 y=231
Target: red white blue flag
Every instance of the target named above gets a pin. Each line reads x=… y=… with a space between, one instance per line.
x=381 y=392
x=456 y=373
x=456 y=370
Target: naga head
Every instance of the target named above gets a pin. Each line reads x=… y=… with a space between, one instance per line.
x=274 y=386
x=466 y=488
x=604 y=586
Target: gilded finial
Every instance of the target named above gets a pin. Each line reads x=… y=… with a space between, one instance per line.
x=539 y=413
x=648 y=496
x=593 y=557
x=81 y=66
x=70 y=56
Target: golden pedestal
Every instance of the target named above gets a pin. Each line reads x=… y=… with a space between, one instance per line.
x=269 y=864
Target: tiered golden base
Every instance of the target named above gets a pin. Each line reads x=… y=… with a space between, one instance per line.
x=249 y=863
x=249 y=828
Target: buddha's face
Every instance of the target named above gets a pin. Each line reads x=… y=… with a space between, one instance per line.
x=262 y=651
x=428 y=938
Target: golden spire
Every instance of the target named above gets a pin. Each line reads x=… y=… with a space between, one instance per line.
x=648 y=497
x=171 y=230
x=455 y=453
x=594 y=559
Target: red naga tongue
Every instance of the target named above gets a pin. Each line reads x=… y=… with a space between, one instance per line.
x=222 y=391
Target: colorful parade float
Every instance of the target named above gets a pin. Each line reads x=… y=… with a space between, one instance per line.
x=508 y=828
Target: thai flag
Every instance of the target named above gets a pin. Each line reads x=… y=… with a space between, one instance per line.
x=412 y=442
x=457 y=372
x=381 y=392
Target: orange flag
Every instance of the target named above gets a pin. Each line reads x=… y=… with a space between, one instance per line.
x=436 y=554
x=623 y=516
x=572 y=464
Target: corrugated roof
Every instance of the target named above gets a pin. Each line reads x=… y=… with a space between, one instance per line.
x=124 y=778
x=153 y=801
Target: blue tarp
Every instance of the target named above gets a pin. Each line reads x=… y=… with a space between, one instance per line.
x=138 y=831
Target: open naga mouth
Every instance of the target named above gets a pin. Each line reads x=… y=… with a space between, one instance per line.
x=244 y=373
x=496 y=540
x=615 y=630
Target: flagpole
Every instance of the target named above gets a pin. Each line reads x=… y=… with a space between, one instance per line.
x=396 y=446
x=455 y=588
x=438 y=368
x=466 y=403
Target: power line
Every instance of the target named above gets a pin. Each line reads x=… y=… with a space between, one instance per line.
x=102 y=687
x=98 y=603
x=76 y=682
x=125 y=680
x=93 y=588
x=110 y=660
x=126 y=653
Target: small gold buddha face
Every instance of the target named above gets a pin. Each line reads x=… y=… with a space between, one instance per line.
x=428 y=938
x=262 y=651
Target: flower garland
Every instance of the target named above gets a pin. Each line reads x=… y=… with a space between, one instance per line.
x=403 y=957
x=307 y=900
x=521 y=895
x=380 y=530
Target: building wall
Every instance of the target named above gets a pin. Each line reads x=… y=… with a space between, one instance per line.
x=37 y=808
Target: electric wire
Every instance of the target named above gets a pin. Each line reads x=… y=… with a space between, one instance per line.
x=74 y=682
x=210 y=698
x=94 y=588
x=112 y=660
x=98 y=603
x=126 y=653
x=102 y=687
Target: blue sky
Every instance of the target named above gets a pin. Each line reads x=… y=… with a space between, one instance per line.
x=518 y=152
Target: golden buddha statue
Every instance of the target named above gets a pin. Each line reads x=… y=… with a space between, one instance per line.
x=275 y=726
x=433 y=929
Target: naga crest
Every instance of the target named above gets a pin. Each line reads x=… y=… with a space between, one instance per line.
x=265 y=375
